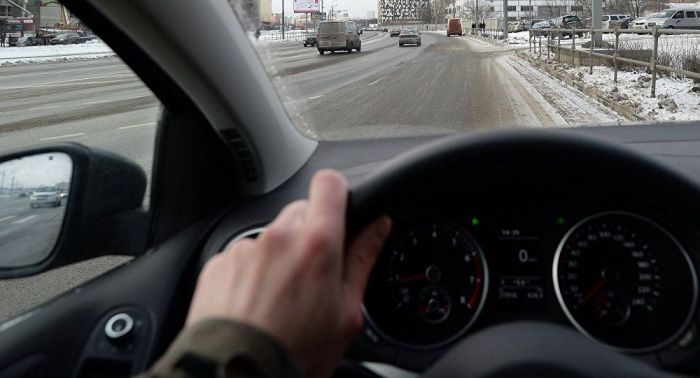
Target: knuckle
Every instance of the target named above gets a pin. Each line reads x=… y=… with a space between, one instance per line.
x=353 y=324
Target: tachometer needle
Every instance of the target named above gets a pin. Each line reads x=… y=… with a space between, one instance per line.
x=587 y=298
x=415 y=277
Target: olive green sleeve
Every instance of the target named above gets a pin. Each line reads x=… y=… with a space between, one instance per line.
x=223 y=348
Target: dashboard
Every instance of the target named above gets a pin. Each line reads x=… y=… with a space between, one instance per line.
x=490 y=234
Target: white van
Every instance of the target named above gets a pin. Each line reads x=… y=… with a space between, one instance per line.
x=610 y=17
x=338 y=36
x=687 y=18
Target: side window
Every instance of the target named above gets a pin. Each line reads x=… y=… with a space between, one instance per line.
x=678 y=15
x=690 y=14
x=67 y=89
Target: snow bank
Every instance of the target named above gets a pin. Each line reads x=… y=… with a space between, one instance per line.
x=29 y=54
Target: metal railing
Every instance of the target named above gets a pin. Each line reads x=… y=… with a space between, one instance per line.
x=553 y=44
x=276 y=35
x=487 y=33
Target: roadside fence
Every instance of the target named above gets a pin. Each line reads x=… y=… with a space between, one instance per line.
x=276 y=35
x=648 y=56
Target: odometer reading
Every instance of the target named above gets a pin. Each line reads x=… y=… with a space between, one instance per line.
x=428 y=285
x=624 y=281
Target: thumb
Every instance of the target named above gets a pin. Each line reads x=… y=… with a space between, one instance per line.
x=362 y=254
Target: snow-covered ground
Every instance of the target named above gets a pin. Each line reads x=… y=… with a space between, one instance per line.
x=30 y=54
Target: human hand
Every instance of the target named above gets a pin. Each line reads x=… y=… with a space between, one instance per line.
x=297 y=281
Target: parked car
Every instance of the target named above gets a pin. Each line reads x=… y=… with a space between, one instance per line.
x=395 y=32
x=687 y=18
x=454 y=27
x=516 y=26
x=623 y=23
x=65 y=39
x=310 y=40
x=638 y=23
x=45 y=196
x=533 y=22
x=568 y=22
x=608 y=18
x=409 y=37
x=338 y=36
x=541 y=28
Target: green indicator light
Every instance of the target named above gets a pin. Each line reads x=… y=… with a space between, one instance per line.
x=560 y=221
x=475 y=221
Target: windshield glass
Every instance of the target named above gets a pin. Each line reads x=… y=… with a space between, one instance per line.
x=664 y=14
x=469 y=77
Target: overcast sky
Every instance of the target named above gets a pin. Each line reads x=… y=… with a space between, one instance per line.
x=357 y=8
x=44 y=169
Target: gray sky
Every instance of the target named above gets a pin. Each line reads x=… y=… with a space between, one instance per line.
x=37 y=170
x=357 y=8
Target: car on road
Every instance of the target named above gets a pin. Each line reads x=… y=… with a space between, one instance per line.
x=686 y=18
x=338 y=36
x=639 y=23
x=454 y=27
x=310 y=40
x=410 y=37
x=45 y=196
x=66 y=39
x=395 y=32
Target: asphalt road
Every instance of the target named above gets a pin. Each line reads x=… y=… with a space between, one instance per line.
x=446 y=85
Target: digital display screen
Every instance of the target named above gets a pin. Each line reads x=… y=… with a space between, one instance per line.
x=519 y=277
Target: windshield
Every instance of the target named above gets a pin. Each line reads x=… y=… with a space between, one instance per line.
x=664 y=14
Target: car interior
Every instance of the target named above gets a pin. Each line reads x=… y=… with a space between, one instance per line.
x=490 y=228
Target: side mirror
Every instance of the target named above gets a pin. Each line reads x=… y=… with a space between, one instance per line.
x=59 y=203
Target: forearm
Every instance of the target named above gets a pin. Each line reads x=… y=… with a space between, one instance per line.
x=223 y=348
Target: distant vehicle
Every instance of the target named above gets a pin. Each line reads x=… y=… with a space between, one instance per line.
x=409 y=37
x=338 y=36
x=454 y=27
x=395 y=32
x=623 y=23
x=687 y=18
x=541 y=28
x=45 y=196
x=607 y=18
x=385 y=30
x=639 y=23
x=21 y=31
x=534 y=21
x=310 y=41
x=568 y=22
x=516 y=26
x=66 y=39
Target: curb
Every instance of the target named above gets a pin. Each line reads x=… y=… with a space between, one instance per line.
x=490 y=41
x=622 y=109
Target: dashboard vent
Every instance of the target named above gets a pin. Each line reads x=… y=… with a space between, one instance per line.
x=243 y=153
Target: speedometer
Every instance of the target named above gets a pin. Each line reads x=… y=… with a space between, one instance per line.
x=428 y=285
x=625 y=281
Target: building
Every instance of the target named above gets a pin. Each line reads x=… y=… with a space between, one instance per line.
x=530 y=9
x=402 y=11
x=371 y=14
x=258 y=12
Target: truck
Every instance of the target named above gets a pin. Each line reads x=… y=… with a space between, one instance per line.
x=23 y=31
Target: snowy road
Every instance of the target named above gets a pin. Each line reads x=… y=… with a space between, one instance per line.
x=446 y=85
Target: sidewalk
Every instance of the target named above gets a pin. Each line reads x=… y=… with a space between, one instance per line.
x=36 y=54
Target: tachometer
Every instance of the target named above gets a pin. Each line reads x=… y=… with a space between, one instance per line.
x=625 y=281
x=428 y=285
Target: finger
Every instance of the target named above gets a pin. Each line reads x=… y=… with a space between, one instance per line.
x=362 y=254
x=285 y=227
x=292 y=214
x=327 y=200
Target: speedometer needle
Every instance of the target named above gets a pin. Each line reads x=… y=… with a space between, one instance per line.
x=415 y=277
x=593 y=292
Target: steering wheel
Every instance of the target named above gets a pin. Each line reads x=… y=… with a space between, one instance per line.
x=524 y=348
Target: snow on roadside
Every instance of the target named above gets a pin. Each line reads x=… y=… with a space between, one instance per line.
x=518 y=38
x=31 y=54
x=677 y=98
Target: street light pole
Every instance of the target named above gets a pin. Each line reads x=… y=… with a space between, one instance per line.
x=283 y=19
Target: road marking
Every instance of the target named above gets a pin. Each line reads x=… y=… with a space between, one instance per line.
x=45 y=107
x=7 y=218
x=63 y=136
x=95 y=102
x=315 y=97
x=375 y=82
x=135 y=126
x=24 y=219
